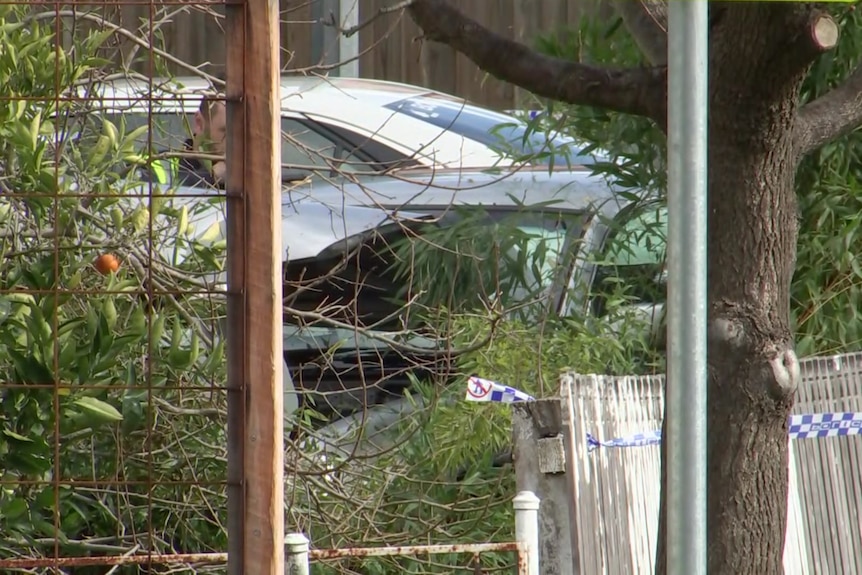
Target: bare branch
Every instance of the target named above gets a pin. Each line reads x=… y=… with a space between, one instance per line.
x=646 y=21
x=835 y=114
x=382 y=11
x=638 y=91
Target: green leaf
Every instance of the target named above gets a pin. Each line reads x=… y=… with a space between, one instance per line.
x=99 y=410
x=29 y=369
x=16 y=436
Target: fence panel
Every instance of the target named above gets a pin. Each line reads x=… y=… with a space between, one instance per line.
x=193 y=33
x=618 y=490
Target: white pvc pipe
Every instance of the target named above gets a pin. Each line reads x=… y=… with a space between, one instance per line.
x=526 y=506
x=296 y=554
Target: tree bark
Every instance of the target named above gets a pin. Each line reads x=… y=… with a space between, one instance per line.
x=638 y=91
x=646 y=21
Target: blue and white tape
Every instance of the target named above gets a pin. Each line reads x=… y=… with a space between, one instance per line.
x=483 y=390
x=636 y=440
x=805 y=426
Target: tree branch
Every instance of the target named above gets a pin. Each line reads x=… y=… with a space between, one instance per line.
x=646 y=21
x=638 y=91
x=835 y=114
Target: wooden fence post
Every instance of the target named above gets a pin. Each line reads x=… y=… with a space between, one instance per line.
x=254 y=262
x=542 y=462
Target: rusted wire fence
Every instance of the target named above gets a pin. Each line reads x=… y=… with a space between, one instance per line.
x=113 y=293
x=525 y=546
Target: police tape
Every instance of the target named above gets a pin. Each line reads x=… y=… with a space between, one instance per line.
x=806 y=426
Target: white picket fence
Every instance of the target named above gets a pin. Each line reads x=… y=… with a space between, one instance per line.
x=618 y=488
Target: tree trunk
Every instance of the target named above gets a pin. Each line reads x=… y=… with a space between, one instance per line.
x=753 y=370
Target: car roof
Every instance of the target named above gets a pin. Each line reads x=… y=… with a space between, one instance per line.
x=365 y=106
x=332 y=89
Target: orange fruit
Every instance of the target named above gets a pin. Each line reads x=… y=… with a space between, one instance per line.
x=107 y=263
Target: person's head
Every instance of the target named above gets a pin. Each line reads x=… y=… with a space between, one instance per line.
x=210 y=126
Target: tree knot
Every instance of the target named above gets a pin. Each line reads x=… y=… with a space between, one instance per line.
x=728 y=332
x=785 y=370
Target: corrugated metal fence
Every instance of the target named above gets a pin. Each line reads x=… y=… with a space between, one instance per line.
x=618 y=489
x=389 y=48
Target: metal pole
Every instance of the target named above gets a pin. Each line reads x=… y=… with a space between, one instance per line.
x=325 y=39
x=348 y=46
x=526 y=506
x=687 y=215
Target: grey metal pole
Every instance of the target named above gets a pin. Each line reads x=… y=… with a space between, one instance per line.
x=348 y=47
x=687 y=217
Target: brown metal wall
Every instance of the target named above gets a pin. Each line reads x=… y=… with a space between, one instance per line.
x=390 y=47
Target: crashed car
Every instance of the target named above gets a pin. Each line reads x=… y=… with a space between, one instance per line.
x=349 y=340
x=587 y=234
x=348 y=344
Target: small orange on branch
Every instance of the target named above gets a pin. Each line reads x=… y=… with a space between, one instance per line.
x=107 y=263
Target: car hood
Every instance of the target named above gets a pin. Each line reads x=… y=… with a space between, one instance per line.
x=308 y=228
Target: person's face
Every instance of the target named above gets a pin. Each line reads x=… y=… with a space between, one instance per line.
x=210 y=132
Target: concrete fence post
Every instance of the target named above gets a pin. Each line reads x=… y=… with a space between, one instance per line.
x=526 y=506
x=545 y=465
x=296 y=554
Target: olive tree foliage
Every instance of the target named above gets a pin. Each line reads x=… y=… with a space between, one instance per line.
x=828 y=276
x=110 y=439
x=828 y=279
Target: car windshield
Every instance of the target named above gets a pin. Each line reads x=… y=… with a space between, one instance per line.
x=302 y=148
x=506 y=134
x=634 y=258
x=537 y=247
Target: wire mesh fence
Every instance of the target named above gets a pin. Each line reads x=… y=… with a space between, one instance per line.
x=113 y=449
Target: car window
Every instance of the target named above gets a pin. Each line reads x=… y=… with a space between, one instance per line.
x=302 y=146
x=501 y=132
x=632 y=261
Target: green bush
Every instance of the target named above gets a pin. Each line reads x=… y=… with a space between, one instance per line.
x=105 y=410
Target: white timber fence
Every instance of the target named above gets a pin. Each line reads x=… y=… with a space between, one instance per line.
x=613 y=492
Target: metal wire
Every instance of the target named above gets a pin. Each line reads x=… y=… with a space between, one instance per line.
x=112 y=442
